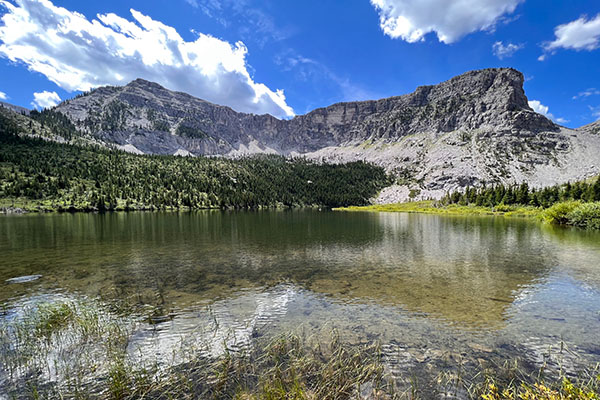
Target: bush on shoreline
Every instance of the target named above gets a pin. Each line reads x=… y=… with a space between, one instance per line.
x=574 y=213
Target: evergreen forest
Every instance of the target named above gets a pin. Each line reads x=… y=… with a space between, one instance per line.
x=51 y=176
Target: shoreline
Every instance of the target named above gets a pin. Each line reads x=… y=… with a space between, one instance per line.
x=569 y=213
x=36 y=208
x=430 y=207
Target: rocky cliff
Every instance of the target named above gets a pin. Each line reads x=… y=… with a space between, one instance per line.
x=474 y=128
x=593 y=128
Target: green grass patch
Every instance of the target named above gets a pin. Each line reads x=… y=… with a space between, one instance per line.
x=571 y=213
x=432 y=207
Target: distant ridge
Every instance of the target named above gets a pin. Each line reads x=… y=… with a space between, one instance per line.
x=473 y=129
x=17 y=109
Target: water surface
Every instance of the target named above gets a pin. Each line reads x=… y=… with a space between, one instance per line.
x=433 y=290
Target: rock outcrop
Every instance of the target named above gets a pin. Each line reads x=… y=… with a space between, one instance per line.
x=12 y=107
x=471 y=129
x=593 y=128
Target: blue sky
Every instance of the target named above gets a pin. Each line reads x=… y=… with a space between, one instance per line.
x=287 y=58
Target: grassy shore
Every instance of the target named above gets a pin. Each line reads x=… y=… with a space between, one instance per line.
x=432 y=207
x=579 y=214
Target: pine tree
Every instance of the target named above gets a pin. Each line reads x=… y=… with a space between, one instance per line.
x=522 y=195
x=596 y=190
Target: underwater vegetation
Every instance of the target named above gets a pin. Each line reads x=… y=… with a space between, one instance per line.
x=79 y=349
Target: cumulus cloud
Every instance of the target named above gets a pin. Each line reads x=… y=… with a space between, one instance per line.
x=581 y=34
x=3 y=96
x=45 y=99
x=507 y=50
x=411 y=20
x=539 y=108
x=80 y=54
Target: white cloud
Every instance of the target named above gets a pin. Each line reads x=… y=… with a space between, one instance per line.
x=411 y=20
x=502 y=50
x=539 y=108
x=561 y=121
x=581 y=34
x=587 y=93
x=80 y=54
x=313 y=72
x=45 y=99
x=3 y=96
x=595 y=112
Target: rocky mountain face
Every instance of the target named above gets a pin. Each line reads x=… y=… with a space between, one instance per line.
x=593 y=128
x=471 y=129
x=146 y=115
x=12 y=107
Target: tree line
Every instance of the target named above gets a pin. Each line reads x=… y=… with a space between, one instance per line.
x=74 y=177
x=498 y=194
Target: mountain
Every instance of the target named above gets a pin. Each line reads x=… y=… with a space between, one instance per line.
x=156 y=120
x=472 y=129
x=593 y=128
x=12 y=107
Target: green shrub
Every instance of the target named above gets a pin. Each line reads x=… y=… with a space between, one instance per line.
x=503 y=208
x=414 y=193
x=559 y=212
x=189 y=132
x=586 y=215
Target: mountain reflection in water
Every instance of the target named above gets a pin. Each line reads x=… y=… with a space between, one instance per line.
x=425 y=286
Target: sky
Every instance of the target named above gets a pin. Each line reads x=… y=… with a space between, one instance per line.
x=289 y=57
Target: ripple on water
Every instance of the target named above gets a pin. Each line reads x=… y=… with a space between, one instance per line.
x=24 y=279
x=227 y=325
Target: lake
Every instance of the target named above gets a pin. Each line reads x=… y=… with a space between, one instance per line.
x=434 y=291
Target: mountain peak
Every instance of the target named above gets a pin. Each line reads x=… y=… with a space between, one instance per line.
x=17 y=109
x=505 y=84
x=473 y=128
x=143 y=82
x=491 y=99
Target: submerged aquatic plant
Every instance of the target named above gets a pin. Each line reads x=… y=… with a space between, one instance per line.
x=78 y=349
x=60 y=345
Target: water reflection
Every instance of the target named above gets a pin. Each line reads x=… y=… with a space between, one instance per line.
x=463 y=270
x=433 y=290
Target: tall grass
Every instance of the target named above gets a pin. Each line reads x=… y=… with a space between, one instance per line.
x=59 y=346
